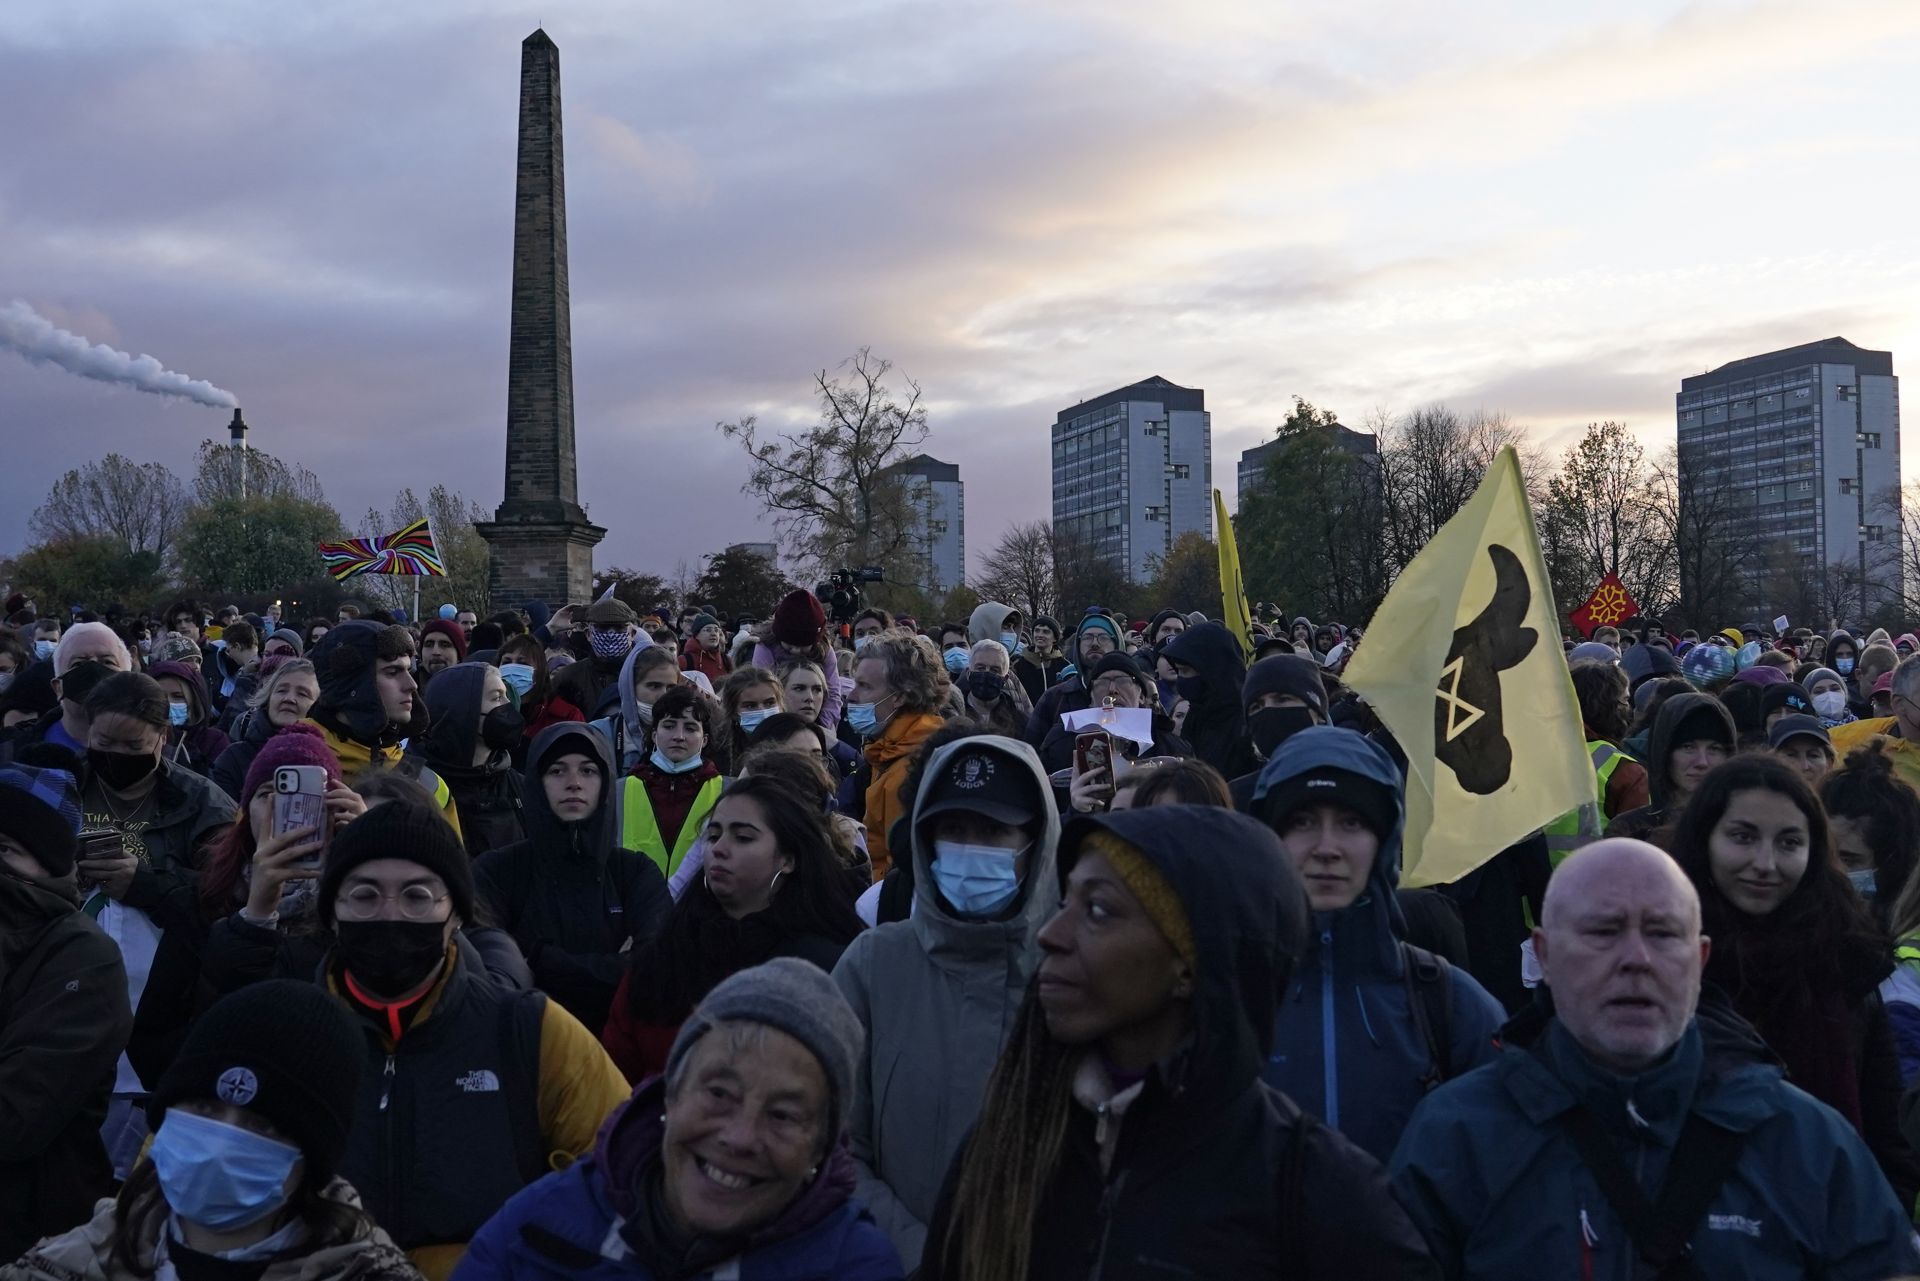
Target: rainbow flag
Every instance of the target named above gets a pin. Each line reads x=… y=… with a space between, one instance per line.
x=411 y=551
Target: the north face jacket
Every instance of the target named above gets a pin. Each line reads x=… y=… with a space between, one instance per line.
x=937 y=995
x=1488 y=1172
x=1348 y=1045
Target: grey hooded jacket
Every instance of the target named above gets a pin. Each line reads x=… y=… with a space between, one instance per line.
x=937 y=995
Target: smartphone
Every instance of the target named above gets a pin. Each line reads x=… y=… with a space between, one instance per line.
x=300 y=800
x=1093 y=750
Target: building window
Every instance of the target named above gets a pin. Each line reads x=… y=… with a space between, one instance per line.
x=1868 y=439
x=1846 y=484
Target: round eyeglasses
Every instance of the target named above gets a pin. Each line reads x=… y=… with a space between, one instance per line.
x=363 y=903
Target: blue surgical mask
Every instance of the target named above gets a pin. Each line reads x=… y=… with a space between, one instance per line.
x=1012 y=641
x=518 y=677
x=956 y=658
x=177 y=714
x=864 y=718
x=860 y=642
x=43 y=649
x=978 y=880
x=1863 y=881
x=750 y=721
x=666 y=766
x=1844 y=666
x=219 y=1176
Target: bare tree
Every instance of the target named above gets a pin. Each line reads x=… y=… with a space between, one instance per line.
x=450 y=516
x=1019 y=570
x=1431 y=461
x=1707 y=520
x=1599 y=518
x=231 y=472
x=833 y=489
x=138 y=505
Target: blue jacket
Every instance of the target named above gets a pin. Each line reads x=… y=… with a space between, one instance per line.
x=1346 y=1046
x=1491 y=1178
x=576 y=1224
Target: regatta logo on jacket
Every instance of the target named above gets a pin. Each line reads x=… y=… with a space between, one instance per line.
x=480 y=1081
x=1734 y=1223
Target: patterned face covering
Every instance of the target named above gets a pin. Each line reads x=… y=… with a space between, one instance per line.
x=609 y=642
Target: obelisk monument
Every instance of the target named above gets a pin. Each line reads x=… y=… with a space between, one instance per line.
x=540 y=543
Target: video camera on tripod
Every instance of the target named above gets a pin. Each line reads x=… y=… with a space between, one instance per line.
x=840 y=592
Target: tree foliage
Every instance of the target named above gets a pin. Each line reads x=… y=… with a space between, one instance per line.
x=254 y=545
x=741 y=582
x=221 y=469
x=86 y=569
x=1187 y=577
x=139 y=506
x=642 y=593
x=1601 y=517
x=832 y=489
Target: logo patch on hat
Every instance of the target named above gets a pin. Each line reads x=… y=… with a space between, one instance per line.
x=237 y=1085
x=973 y=773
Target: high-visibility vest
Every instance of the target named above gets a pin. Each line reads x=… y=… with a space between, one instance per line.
x=1584 y=825
x=640 y=830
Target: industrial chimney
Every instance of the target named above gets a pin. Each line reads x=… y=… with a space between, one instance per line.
x=237 y=437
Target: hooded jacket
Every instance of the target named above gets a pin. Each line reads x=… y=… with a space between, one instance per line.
x=572 y=899
x=1645 y=661
x=591 y=1219
x=1210 y=1173
x=486 y=796
x=198 y=743
x=1654 y=814
x=937 y=994
x=63 y=1023
x=1487 y=1170
x=1216 y=724
x=989 y=622
x=624 y=729
x=1829 y=659
x=1348 y=1043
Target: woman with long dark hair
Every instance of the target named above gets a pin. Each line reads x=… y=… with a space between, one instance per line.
x=1875 y=820
x=1795 y=947
x=523 y=666
x=772 y=886
x=1126 y=1130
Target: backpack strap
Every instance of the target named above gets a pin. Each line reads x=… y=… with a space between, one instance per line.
x=521 y=1014
x=1293 y=1192
x=1702 y=1159
x=1429 y=980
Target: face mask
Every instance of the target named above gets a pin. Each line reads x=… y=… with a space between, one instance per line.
x=864 y=718
x=1830 y=703
x=1271 y=726
x=956 y=659
x=6 y=681
x=120 y=770
x=1844 y=666
x=1012 y=642
x=80 y=680
x=1191 y=687
x=645 y=712
x=1168 y=695
x=518 y=677
x=177 y=714
x=219 y=1176
x=665 y=766
x=978 y=880
x=609 y=642
x=860 y=642
x=390 y=957
x=1863 y=881
x=750 y=721
x=986 y=686
x=146 y=645
x=501 y=728
x=43 y=649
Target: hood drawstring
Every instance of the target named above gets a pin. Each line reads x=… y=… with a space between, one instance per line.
x=1360 y=999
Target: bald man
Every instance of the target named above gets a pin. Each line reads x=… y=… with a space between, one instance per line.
x=1623 y=1072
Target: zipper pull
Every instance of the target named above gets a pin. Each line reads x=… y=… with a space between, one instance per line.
x=1102 y=1115
x=1587 y=1235
x=386 y=1084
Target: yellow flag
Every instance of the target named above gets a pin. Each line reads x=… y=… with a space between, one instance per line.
x=1463 y=663
x=1233 y=592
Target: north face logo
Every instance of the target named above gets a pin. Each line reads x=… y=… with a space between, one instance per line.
x=479 y=1081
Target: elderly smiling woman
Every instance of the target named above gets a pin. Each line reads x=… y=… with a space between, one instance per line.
x=735 y=1163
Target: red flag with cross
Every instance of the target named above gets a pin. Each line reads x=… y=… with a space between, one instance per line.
x=1609 y=606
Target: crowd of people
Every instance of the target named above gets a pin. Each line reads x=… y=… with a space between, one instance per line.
x=650 y=945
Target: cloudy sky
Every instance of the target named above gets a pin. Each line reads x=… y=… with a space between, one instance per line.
x=1551 y=210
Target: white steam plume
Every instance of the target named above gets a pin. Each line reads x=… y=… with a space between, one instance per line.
x=26 y=331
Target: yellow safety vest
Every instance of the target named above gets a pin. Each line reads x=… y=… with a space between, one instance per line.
x=1584 y=825
x=640 y=830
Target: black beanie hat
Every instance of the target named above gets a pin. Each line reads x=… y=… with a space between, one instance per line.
x=1286 y=674
x=1377 y=804
x=283 y=1049
x=406 y=830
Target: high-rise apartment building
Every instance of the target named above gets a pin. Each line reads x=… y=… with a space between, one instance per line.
x=940 y=498
x=1807 y=441
x=1363 y=445
x=1133 y=470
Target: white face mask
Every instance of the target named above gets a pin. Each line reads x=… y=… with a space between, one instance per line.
x=1830 y=703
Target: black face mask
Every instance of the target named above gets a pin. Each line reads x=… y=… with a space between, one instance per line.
x=986 y=686
x=1271 y=726
x=80 y=680
x=501 y=728
x=121 y=770
x=390 y=957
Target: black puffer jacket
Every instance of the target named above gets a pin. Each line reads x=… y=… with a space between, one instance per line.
x=63 y=1022
x=1213 y=1174
x=486 y=796
x=572 y=900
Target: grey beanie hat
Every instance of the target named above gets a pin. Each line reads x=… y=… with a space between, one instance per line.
x=798 y=998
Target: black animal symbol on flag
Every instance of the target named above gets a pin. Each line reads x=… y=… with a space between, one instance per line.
x=1469 y=733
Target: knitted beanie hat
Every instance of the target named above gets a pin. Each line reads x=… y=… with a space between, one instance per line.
x=1143 y=880
x=404 y=830
x=283 y=1049
x=798 y=618
x=452 y=631
x=799 y=999
x=296 y=744
x=40 y=808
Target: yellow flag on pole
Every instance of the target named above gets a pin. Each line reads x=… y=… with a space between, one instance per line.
x=1463 y=663
x=1233 y=591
